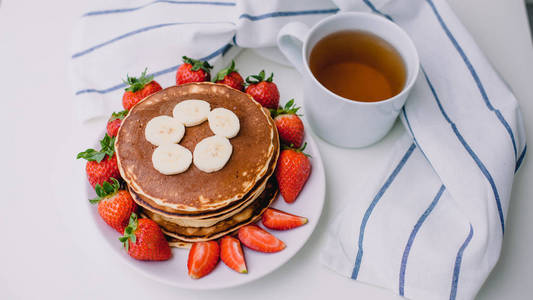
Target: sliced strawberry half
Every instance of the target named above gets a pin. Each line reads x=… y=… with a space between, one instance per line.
x=279 y=220
x=203 y=258
x=257 y=239
x=231 y=254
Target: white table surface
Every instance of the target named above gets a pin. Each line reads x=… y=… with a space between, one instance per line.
x=48 y=245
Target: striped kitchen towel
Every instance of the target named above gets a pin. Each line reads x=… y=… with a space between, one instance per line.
x=433 y=227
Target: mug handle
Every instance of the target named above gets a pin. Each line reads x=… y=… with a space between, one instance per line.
x=290 y=42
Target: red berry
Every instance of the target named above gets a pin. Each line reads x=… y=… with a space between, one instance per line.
x=114 y=205
x=113 y=124
x=231 y=254
x=263 y=90
x=101 y=165
x=290 y=126
x=144 y=240
x=230 y=77
x=98 y=172
x=279 y=220
x=203 y=258
x=292 y=171
x=193 y=71
x=138 y=89
x=257 y=239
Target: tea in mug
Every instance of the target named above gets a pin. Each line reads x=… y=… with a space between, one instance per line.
x=358 y=65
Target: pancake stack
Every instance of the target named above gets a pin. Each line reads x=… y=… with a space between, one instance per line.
x=194 y=205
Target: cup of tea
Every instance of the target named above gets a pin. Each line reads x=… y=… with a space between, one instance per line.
x=357 y=69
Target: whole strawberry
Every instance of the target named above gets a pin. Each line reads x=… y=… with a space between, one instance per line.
x=101 y=165
x=114 y=205
x=138 y=89
x=193 y=70
x=144 y=240
x=263 y=90
x=230 y=77
x=114 y=122
x=290 y=126
x=292 y=172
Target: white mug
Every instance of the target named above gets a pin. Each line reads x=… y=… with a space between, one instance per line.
x=340 y=121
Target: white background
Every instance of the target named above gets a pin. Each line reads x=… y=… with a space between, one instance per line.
x=49 y=247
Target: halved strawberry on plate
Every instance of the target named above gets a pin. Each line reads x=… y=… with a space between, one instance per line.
x=231 y=254
x=257 y=239
x=203 y=258
x=279 y=220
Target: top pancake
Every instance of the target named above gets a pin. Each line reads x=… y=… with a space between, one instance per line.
x=195 y=190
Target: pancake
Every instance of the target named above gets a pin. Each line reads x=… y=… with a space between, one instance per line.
x=199 y=234
x=204 y=219
x=194 y=191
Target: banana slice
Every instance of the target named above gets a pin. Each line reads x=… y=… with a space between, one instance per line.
x=170 y=159
x=191 y=112
x=223 y=122
x=212 y=153
x=164 y=130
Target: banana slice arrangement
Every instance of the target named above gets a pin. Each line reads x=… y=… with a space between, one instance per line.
x=210 y=154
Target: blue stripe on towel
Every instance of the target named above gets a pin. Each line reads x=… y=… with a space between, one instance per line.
x=369 y=210
x=137 y=31
x=123 y=10
x=155 y=74
x=288 y=14
x=471 y=152
x=412 y=236
x=457 y=266
x=375 y=10
x=474 y=75
x=520 y=159
x=474 y=156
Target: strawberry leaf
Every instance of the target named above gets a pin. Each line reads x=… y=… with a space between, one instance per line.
x=91 y=155
x=118 y=115
x=225 y=72
x=137 y=84
x=129 y=232
x=255 y=79
x=289 y=109
x=105 y=190
x=197 y=64
x=107 y=145
x=300 y=150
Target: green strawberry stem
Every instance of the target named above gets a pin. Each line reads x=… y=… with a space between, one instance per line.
x=289 y=109
x=197 y=64
x=300 y=150
x=137 y=84
x=118 y=115
x=129 y=232
x=225 y=72
x=107 y=147
x=105 y=190
x=254 y=79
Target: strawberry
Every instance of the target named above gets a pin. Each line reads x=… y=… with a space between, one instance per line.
x=193 y=70
x=101 y=165
x=279 y=220
x=230 y=77
x=290 y=126
x=257 y=239
x=292 y=172
x=203 y=258
x=114 y=205
x=231 y=254
x=138 y=89
x=144 y=240
x=263 y=90
x=113 y=124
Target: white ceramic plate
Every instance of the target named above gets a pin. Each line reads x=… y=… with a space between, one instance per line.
x=174 y=271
